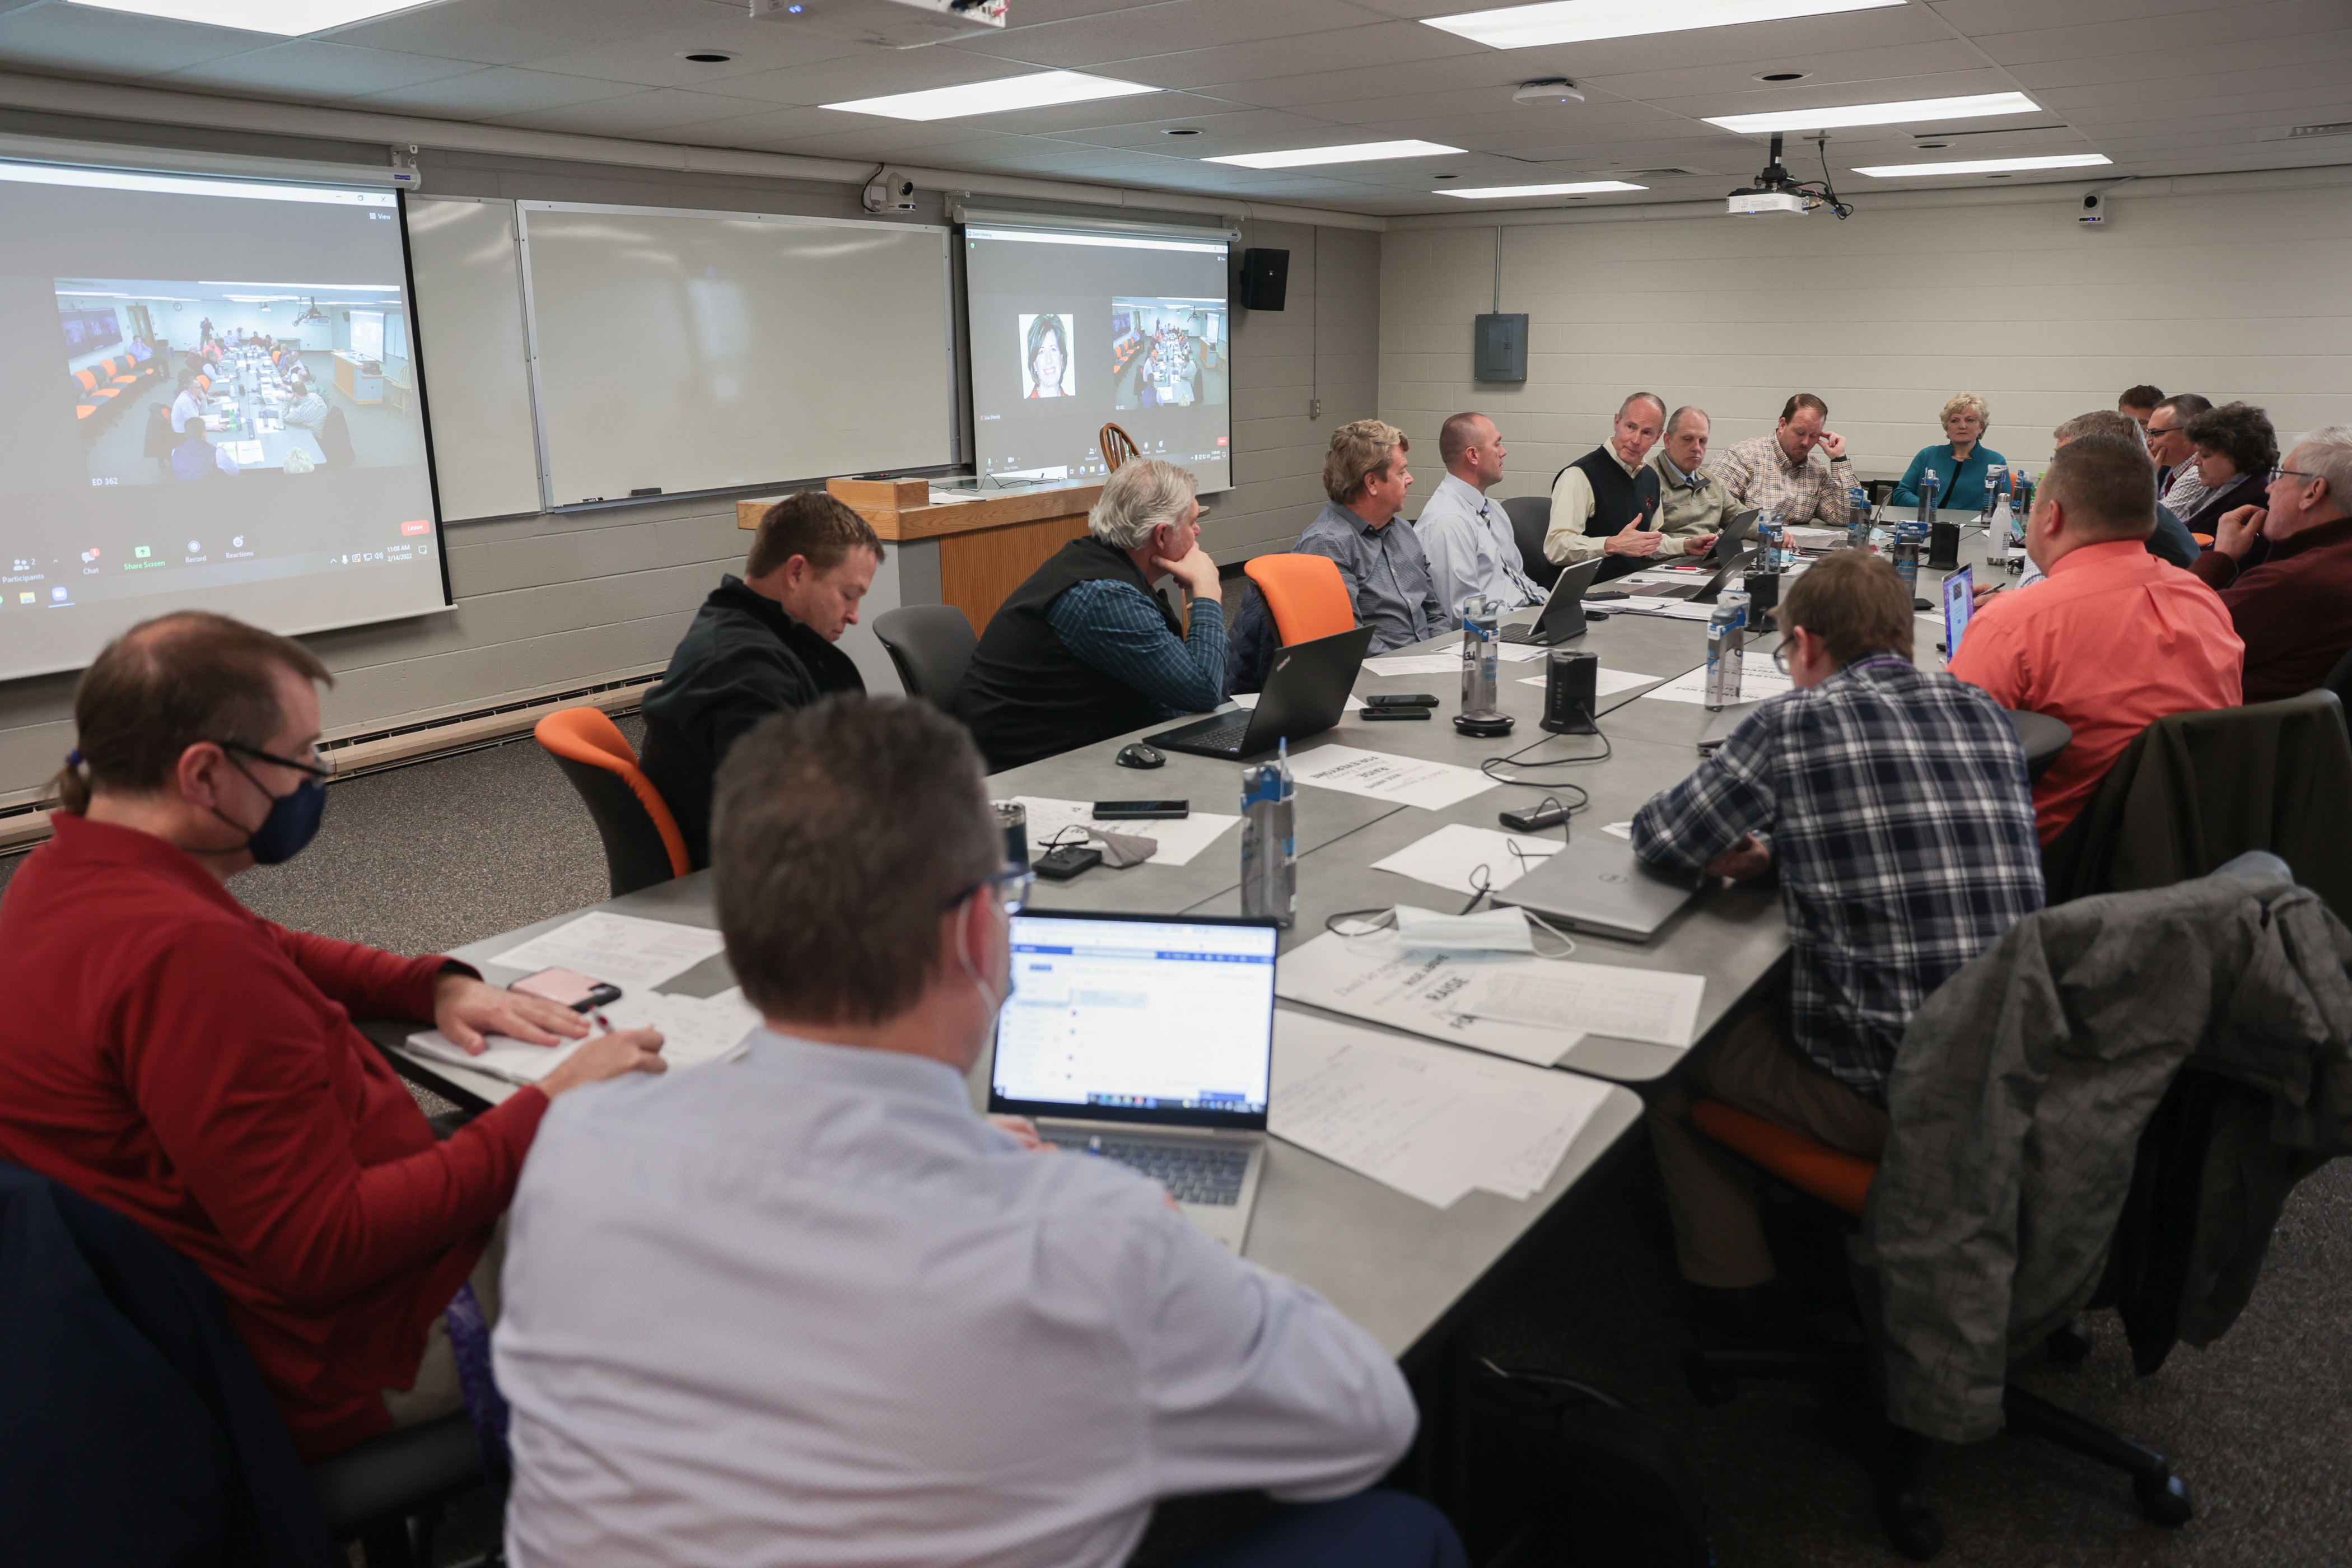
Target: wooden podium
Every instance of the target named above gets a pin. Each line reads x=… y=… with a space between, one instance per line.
x=984 y=548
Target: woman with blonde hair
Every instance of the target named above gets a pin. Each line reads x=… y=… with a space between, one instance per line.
x=1959 y=460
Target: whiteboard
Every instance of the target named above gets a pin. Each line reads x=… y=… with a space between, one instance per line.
x=683 y=351
x=469 y=276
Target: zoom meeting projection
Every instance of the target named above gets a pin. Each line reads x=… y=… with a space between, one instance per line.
x=208 y=400
x=1072 y=329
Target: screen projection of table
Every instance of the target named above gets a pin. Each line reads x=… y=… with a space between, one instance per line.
x=184 y=422
x=1073 y=328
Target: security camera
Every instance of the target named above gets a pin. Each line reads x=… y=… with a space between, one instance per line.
x=1551 y=89
x=2094 y=209
x=890 y=191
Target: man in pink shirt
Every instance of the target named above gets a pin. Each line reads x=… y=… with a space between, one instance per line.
x=2116 y=639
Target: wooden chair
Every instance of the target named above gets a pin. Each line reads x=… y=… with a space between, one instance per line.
x=1117 y=447
x=642 y=843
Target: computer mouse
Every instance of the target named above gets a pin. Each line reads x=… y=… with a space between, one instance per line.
x=1136 y=754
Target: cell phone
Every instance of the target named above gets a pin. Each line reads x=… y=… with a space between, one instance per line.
x=1395 y=712
x=1066 y=862
x=569 y=986
x=1140 y=810
x=1402 y=700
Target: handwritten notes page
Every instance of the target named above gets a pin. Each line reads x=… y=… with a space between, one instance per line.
x=694 y=1030
x=632 y=953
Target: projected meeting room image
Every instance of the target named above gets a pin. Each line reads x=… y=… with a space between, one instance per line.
x=180 y=382
x=1166 y=352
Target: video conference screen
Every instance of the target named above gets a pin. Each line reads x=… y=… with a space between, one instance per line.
x=1072 y=329
x=205 y=402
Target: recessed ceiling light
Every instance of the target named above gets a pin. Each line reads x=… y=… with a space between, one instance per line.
x=1581 y=21
x=1444 y=177
x=1878 y=113
x=1182 y=131
x=1782 y=76
x=1576 y=188
x=706 y=57
x=287 y=18
x=1042 y=90
x=1354 y=153
x=1931 y=146
x=1988 y=165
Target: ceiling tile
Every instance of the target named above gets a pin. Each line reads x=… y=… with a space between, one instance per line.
x=1397 y=45
x=643 y=110
x=318 y=71
x=654 y=59
x=495 y=91
x=81 y=39
x=508 y=32
x=1173 y=27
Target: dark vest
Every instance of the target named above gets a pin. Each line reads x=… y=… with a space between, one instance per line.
x=1617 y=500
x=1026 y=695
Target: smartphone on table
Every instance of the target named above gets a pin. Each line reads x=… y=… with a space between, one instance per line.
x=569 y=986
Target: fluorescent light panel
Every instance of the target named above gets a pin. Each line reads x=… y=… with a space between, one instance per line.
x=1044 y=90
x=1581 y=21
x=1989 y=166
x=287 y=18
x=1579 y=188
x=1971 y=108
x=1355 y=152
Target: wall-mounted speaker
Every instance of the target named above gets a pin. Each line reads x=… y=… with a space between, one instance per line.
x=1266 y=278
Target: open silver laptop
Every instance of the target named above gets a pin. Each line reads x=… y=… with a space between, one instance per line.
x=1598 y=884
x=1148 y=1040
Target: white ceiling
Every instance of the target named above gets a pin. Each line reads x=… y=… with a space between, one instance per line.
x=2162 y=87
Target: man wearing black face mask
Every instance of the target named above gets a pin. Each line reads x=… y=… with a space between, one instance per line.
x=174 y=1057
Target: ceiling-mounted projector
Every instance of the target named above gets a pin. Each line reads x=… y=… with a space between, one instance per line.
x=894 y=24
x=1552 y=89
x=1774 y=191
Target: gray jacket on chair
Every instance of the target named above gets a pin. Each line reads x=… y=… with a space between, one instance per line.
x=2020 y=1092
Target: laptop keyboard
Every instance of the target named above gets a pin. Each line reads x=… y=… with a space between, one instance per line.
x=1192 y=1173
x=1531 y=632
x=1225 y=737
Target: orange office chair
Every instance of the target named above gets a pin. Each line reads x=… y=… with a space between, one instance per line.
x=115 y=371
x=1305 y=596
x=90 y=387
x=642 y=843
x=1117 y=447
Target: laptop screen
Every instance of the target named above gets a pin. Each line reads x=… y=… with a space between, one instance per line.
x=1138 y=1018
x=1960 y=599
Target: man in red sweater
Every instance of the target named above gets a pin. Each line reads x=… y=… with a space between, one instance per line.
x=174 y=1056
x=2294 y=610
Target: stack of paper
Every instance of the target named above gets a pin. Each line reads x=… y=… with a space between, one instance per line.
x=1531 y=1009
x=1429 y=1121
x=1413 y=663
x=1179 y=838
x=694 y=1029
x=632 y=953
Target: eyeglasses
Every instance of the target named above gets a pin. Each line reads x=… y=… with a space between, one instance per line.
x=318 y=767
x=1011 y=884
x=1781 y=656
x=2275 y=475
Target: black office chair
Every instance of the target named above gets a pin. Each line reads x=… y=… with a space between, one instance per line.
x=931 y=645
x=387 y=1494
x=1530 y=518
x=2340 y=679
x=335 y=438
x=2046 y=739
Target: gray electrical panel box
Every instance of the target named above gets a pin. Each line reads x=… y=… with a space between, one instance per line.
x=1500 y=348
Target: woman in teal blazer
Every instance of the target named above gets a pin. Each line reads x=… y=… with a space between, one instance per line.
x=1960 y=462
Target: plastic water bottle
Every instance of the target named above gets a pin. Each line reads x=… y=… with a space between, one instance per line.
x=1481 y=634
x=1857 y=520
x=1927 y=487
x=1773 y=538
x=1906 y=562
x=1269 y=841
x=1724 y=639
x=1993 y=491
x=1999 y=524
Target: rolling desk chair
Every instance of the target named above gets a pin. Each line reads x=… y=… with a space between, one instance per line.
x=1305 y=594
x=1530 y=520
x=931 y=646
x=642 y=843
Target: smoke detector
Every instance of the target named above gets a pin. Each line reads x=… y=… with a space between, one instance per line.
x=1551 y=89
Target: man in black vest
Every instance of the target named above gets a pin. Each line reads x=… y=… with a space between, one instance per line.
x=1606 y=502
x=762 y=644
x=1085 y=650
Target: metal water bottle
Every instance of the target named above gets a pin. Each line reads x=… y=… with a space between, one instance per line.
x=1857 y=520
x=1482 y=620
x=1724 y=636
x=1928 y=484
x=1269 y=841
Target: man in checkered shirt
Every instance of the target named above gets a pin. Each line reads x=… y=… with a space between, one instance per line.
x=1894 y=805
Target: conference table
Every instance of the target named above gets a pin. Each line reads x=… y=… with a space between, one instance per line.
x=1405 y=1270
x=259 y=400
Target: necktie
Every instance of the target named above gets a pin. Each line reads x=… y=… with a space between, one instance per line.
x=1528 y=592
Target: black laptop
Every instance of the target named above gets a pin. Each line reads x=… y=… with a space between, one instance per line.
x=1563 y=612
x=1705 y=593
x=1735 y=527
x=1306 y=691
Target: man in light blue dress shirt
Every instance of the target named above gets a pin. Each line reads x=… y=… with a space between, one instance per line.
x=1471 y=550
x=1364 y=532
x=803 y=1305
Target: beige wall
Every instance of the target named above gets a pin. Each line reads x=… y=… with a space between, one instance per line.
x=552 y=601
x=2214 y=285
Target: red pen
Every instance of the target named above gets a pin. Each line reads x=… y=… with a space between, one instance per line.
x=603 y=1023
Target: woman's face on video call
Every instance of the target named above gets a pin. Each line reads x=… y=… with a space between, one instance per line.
x=1048 y=363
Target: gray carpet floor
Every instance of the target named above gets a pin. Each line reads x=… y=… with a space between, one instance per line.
x=432 y=856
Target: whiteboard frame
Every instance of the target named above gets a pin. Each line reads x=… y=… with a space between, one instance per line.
x=524 y=209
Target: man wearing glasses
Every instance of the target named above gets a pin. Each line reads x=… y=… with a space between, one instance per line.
x=2292 y=610
x=812 y=1308
x=1894 y=804
x=2178 y=483
x=179 y=1060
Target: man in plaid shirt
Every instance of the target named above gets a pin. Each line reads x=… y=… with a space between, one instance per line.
x=1894 y=805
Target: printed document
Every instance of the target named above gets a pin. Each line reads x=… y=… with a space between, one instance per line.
x=1407 y=780
x=1470 y=859
x=1754 y=685
x=1671 y=609
x=632 y=953
x=1378 y=978
x=694 y=1029
x=1179 y=838
x=1414 y=664
x=1598 y=999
